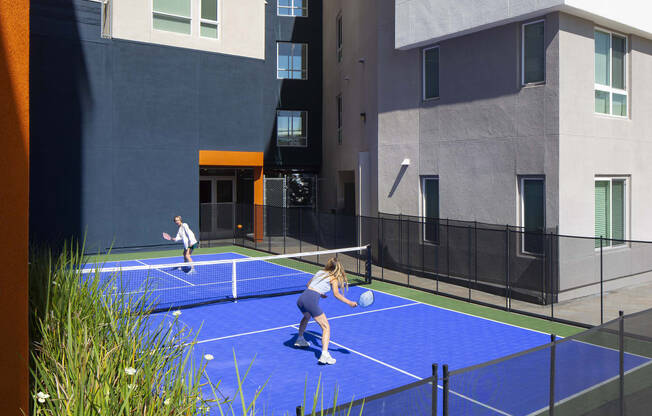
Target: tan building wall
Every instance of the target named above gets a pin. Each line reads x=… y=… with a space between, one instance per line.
x=241 y=27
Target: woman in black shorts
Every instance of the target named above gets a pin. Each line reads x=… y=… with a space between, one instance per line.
x=332 y=276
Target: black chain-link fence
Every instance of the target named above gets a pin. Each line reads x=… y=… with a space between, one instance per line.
x=579 y=280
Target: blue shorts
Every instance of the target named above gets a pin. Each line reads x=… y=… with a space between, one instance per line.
x=309 y=302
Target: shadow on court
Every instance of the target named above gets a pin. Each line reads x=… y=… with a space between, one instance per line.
x=315 y=345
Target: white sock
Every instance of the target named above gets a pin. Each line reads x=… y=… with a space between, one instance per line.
x=325 y=352
x=300 y=337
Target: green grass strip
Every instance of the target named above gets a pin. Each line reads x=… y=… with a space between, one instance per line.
x=511 y=318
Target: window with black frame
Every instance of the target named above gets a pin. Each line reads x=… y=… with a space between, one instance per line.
x=430 y=208
x=532 y=215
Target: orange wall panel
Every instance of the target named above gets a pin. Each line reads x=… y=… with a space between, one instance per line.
x=225 y=158
x=14 y=205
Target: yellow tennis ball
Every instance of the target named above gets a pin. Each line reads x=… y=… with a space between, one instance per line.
x=239 y=225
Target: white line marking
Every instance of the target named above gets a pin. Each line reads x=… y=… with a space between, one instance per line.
x=405 y=372
x=293 y=325
x=462 y=313
x=161 y=270
x=579 y=393
x=365 y=356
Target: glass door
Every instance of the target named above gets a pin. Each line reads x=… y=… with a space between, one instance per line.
x=216 y=201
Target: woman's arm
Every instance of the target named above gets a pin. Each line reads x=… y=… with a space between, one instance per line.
x=339 y=296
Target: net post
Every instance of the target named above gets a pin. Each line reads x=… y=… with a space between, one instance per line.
x=234 y=285
x=434 y=390
x=446 y=389
x=551 y=400
x=367 y=265
x=621 y=351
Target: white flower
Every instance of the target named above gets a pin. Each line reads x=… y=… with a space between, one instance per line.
x=42 y=396
x=166 y=402
x=208 y=357
x=130 y=371
x=131 y=386
x=176 y=313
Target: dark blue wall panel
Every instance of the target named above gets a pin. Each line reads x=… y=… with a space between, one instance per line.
x=116 y=125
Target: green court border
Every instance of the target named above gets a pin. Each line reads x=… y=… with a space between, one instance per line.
x=512 y=318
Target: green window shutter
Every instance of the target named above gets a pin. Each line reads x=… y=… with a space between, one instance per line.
x=602 y=226
x=618 y=209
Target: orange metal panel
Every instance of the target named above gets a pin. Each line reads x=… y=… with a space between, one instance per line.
x=226 y=158
x=258 y=204
x=14 y=194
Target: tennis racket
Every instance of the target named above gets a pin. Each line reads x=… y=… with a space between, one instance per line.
x=167 y=236
x=366 y=299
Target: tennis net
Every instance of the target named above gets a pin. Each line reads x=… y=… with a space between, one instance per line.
x=181 y=285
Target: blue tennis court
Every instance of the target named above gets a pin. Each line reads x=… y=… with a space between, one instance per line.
x=390 y=344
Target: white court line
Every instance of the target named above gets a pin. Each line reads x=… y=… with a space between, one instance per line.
x=293 y=325
x=161 y=270
x=461 y=313
x=579 y=393
x=224 y=282
x=406 y=373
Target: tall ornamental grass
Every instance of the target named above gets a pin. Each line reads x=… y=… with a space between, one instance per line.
x=94 y=354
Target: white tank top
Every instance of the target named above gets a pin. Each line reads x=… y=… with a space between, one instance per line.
x=321 y=282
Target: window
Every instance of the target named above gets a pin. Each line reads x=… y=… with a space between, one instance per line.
x=172 y=16
x=610 y=211
x=431 y=73
x=292 y=60
x=338 y=30
x=291 y=128
x=176 y=16
x=533 y=53
x=532 y=214
x=208 y=21
x=298 y=8
x=339 y=118
x=610 y=70
x=430 y=208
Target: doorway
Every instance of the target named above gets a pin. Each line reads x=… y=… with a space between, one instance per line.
x=217 y=195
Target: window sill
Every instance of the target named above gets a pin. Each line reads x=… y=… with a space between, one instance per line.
x=533 y=84
x=611 y=116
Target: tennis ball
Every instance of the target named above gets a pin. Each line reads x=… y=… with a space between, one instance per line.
x=239 y=225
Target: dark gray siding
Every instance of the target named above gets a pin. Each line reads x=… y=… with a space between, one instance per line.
x=116 y=127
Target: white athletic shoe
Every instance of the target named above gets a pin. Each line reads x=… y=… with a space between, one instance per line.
x=326 y=358
x=301 y=342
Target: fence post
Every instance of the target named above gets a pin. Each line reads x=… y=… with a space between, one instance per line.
x=446 y=388
x=507 y=294
x=299 y=413
x=269 y=235
x=621 y=350
x=381 y=249
x=408 y=252
x=469 y=272
x=475 y=251
x=551 y=277
x=553 y=351
x=300 y=210
x=285 y=226
x=335 y=227
x=601 y=287
x=448 y=250
x=434 y=390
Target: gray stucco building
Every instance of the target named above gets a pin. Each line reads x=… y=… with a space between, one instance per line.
x=533 y=114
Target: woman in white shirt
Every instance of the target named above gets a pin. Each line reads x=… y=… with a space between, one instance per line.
x=332 y=276
x=189 y=241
